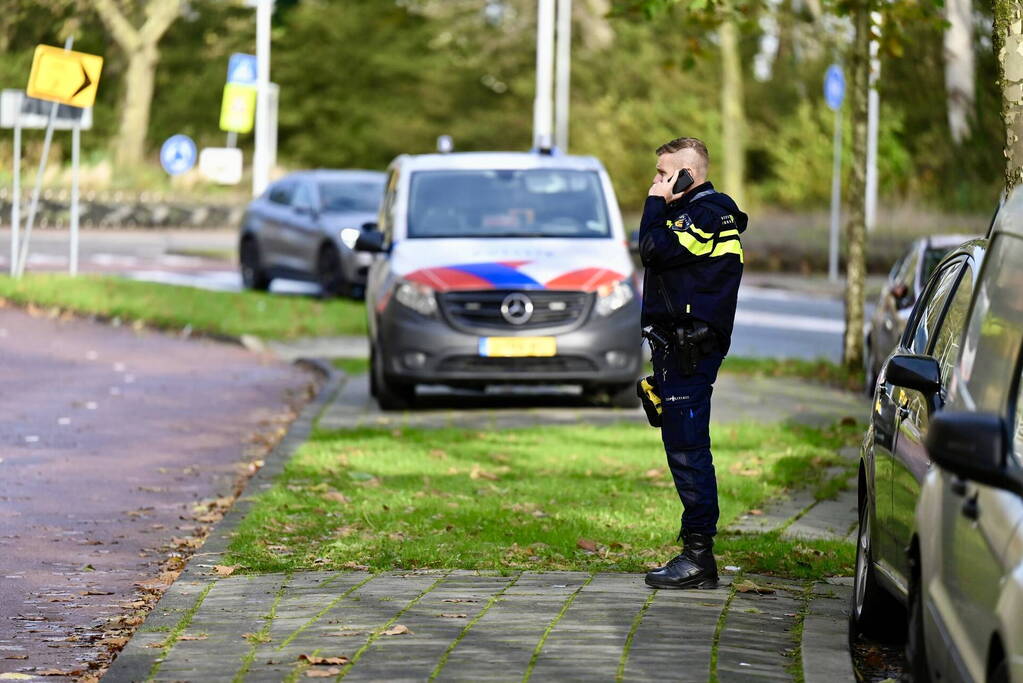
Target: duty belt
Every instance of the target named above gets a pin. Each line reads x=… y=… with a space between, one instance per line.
x=688 y=343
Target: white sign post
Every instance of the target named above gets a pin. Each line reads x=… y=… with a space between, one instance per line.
x=562 y=89
x=834 y=93
x=542 y=114
x=873 y=116
x=16 y=197
x=261 y=152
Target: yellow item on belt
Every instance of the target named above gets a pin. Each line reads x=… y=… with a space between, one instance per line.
x=648 y=389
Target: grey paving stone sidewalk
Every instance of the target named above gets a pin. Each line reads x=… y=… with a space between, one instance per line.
x=464 y=626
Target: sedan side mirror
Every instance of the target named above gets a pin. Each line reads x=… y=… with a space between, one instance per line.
x=971 y=446
x=371 y=241
x=920 y=373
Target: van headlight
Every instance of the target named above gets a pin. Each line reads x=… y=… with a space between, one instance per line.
x=612 y=297
x=416 y=296
x=349 y=236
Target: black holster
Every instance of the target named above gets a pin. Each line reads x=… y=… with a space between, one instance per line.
x=694 y=341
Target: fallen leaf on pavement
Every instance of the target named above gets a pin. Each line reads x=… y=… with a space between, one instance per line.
x=15 y=656
x=459 y=600
x=347 y=634
x=454 y=616
x=224 y=569
x=355 y=565
x=114 y=642
x=315 y=660
x=323 y=673
x=587 y=544
x=748 y=586
x=201 y=636
x=397 y=630
x=95 y=592
x=57 y=672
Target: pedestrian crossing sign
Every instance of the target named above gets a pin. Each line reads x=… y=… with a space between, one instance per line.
x=238 y=109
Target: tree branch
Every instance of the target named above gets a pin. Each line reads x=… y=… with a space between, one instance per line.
x=119 y=26
x=160 y=14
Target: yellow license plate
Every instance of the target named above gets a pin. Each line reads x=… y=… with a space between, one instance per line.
x=518 y=347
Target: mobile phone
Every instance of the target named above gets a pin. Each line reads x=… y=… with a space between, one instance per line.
x=683 y=182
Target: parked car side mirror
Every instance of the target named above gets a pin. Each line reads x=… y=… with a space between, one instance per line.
x=920 y=373
x=372 y=226
x=971 y=446
x=371 y=241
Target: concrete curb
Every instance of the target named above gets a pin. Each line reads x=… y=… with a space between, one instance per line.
x=132 y=663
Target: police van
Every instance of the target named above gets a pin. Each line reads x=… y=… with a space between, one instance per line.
x=501 y=268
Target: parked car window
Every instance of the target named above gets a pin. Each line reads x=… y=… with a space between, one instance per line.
x=303 y=197
x=357 y=195
x=946 y=342
x=507 y=203
x=281 y=193
x=929 y=315
x=932 y=257
x=387 y=209
x=995 y=331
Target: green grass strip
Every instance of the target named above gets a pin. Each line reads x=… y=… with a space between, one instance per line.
x=620 y=676
x=550 y=627
x=719 y=629
x=447 y=653
x=316 y=617
x=264 y=632
x=795 y=667
x=178 y=629
x=380 y=629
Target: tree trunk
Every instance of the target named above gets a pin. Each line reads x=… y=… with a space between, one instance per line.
x=733 y=117
x=138 y=96
x=960 y=75
x=855 y=229
x=1009 y=46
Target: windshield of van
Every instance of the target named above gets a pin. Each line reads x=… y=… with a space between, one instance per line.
x=362 y=196
x=507 y=203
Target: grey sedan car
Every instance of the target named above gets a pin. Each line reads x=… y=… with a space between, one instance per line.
x=304 y=227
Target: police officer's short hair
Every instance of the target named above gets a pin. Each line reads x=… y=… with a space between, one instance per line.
x=678 y=144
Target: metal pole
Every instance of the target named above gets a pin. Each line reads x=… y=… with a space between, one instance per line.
x=836 y=199
x=542 y=114
x=34 y=205
x=260 y=158
x=873 y=113
x=16 y=193
x=232 y=139
x=564 y=74
x=76 y=144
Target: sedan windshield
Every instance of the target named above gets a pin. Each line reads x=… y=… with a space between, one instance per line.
x=353 y=195
x=507 y=203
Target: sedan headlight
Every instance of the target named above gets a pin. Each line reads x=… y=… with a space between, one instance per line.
x=418 y=297
x=612 y=297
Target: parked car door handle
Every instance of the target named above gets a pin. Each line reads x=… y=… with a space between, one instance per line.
x=958 y=486
x=971 y=509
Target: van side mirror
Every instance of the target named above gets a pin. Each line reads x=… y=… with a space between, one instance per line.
x=371 y=241
x=971 y=446
x=920 y=373
x=634 y=242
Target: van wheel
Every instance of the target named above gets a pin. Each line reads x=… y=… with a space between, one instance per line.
x=873 y=612
x=916 y=646
x=251 y=264
x=328 y=271
x=389 y=394
x=623 y=396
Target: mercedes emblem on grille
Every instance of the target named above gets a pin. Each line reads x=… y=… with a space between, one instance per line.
x=517 y=308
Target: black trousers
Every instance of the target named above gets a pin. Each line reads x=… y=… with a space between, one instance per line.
x=685 y=431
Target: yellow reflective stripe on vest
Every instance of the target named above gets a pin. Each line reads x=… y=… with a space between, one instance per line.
x=729 y=247
x=693 y=245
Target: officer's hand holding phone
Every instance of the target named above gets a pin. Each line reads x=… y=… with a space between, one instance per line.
x=673 y=187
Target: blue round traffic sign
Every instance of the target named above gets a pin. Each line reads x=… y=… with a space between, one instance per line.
x=178 y=154
x=834 y=87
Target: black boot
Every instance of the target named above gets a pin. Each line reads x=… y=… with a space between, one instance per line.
x=694 y=568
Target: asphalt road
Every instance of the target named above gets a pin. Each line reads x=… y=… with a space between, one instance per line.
x=777 y=317
x=109 y=439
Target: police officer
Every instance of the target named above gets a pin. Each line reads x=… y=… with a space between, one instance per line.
x=689 y=245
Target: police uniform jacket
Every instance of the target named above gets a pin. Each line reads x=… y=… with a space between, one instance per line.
x=693 y=259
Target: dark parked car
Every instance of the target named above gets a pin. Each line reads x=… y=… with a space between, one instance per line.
x=906 y=280
x=913 y=384
x=304 y=227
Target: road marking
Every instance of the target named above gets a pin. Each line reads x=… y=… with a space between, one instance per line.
x=786 y=321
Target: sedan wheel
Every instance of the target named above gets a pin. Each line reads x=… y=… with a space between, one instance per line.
x=874 y=612
x=253 y=275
